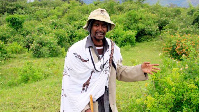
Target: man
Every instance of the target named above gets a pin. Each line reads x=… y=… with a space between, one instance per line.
x=92 y=66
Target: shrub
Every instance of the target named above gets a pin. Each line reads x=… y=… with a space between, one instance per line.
x=67 y=37
x=15 y=48
x=62 y=37
x=181 y=85
x=29 y=73
x=174 y=88
x=45 y=46
x=56 y=24
x=127 y=39
x=121 y=37
x=42 y=29
x=6 y=33
x=116 y=34
x=29 y=28
x=162 y=22
x=28 y=41
x=180 y=45
x=142 y=22
x=15 y=21
x=3 y=52
x=79 y=34
x=41 y=14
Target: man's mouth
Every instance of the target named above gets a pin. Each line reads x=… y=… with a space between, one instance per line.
x=99 y=34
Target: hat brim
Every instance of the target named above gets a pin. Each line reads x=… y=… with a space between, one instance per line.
x=110 y=22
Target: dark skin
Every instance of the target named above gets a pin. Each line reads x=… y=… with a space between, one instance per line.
x=98 y=33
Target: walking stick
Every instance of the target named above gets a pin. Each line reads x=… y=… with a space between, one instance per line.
x=91 y=103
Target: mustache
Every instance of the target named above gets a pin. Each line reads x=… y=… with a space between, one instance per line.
x=100 y=32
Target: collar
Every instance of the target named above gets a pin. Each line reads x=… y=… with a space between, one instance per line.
x=89 y=43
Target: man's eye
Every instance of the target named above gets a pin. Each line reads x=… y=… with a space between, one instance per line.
x=96 y=25
x=104 y=26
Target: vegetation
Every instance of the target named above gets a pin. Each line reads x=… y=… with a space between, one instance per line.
x=35 y=36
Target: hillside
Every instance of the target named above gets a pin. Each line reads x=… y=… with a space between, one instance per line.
x=35 y=37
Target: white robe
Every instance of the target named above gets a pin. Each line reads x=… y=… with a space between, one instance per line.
x=79 y=68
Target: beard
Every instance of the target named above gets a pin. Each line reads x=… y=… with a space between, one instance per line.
x=99 y=36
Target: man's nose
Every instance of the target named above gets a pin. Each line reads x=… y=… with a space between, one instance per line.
x=100 y=28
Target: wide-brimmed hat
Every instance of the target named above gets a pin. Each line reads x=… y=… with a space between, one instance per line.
x=101 y=15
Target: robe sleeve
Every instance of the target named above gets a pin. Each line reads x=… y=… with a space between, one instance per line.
x=130 y=73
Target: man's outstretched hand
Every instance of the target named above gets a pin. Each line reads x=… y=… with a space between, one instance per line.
x=149 y=68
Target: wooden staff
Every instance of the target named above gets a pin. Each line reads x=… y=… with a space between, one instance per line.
x=91 y=103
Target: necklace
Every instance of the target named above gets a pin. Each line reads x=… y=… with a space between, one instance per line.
x=102 y=65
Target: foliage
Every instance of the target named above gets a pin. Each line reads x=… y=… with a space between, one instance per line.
x=3 y=51
x=176 y=86
x=64 y=19
x=10 y=6
x=179 y=88
x=28 y=74
x=122 y=38
x=47 y=28
x=179 y=46
x=15 y=21
x=15 y=48
x=143 y=22
x=6 y=33
x=45 y=46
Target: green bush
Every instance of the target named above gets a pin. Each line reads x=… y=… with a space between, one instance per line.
x=42 y=29
x=79 y=34
x=175 y=88
x=127 y=39
x=116 y=34
x=29 y=28
x=194 y=12
x=6 y=33
x=121 y=37
x=180 y=45
x=46 y=46
x=162 y=22
x=142 y=22
x=28 y=41
x=15 y=48
x=57 y=24
x=181 y=85
x=41 y=14
x=15 y=21
x=11 y=6
x=63 y=40
x=29 y=73
x=3 y=52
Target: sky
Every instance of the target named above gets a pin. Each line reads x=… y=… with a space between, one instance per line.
x=180 y=3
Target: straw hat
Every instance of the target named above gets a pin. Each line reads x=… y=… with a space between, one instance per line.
x=101 y=15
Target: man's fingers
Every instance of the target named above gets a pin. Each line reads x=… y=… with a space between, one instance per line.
x=154 y=71
x=146 y=62
x=156 y=68
x=155 y=64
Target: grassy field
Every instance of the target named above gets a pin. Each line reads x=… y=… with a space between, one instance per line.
x=142 y=52
x=44 y=95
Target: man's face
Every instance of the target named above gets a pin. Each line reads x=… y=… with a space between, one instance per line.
x=98 y=30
